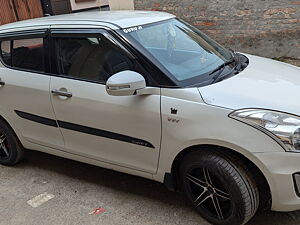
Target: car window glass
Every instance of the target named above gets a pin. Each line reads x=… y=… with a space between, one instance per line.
x=94 y=59
x=6 y=52
x=28 y=54
x=151 y=38
x=184 y=52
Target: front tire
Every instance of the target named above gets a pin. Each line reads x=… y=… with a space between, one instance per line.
x=11 y=151
x=220 y=189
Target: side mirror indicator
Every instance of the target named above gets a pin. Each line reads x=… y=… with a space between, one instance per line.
x=125 y=83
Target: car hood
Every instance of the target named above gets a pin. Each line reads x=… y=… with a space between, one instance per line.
x=265 y=83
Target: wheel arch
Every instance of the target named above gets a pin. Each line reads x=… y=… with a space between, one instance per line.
x=171 y=181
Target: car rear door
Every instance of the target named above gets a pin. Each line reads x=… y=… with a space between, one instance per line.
x=24 y=93
x=123 y=131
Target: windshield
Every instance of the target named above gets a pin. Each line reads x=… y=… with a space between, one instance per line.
x=187 y=54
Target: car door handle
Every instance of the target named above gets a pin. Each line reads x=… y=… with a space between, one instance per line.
x=2 y=83
x=61 y=93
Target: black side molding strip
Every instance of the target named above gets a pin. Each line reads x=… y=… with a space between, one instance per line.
x=84 y=129
x=37 y=119
x=103 y=133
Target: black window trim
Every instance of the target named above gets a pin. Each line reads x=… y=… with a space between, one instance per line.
x=38 y=33
x=80 y=32
x=27 y=34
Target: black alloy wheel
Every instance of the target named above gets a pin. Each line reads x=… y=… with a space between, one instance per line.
x=221 y=190
x=11 y=150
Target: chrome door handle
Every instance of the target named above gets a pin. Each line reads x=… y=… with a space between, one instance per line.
x=2 y=83
x=61 y=93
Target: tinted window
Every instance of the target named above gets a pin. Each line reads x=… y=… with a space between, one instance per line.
x=28 y=54
x=6 y=52
x=94 y=59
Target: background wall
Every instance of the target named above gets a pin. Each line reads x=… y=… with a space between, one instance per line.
x=265 y=27
x=87 y=4
x=14 y=10
x=121 y=4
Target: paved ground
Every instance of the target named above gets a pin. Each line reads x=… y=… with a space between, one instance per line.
x=79 y=188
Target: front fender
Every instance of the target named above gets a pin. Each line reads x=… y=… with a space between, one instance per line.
x=197 y=123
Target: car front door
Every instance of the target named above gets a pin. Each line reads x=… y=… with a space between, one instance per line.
x=24 y=93
x=124 y=130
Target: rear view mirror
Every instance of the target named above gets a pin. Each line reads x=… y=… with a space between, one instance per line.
x=125 y=83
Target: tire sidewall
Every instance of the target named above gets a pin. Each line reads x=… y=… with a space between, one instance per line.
x=228 y=182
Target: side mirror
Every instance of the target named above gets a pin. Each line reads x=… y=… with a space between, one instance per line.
x=125 y=83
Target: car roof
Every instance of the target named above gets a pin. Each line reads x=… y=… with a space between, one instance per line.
x=111 y=19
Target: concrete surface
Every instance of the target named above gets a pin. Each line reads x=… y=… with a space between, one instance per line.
x=80 y=188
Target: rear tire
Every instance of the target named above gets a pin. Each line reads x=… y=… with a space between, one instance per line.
x=11 y=150
x=220 y=189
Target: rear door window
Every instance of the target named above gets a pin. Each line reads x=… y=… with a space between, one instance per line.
x=27 y=54
x=6 y=52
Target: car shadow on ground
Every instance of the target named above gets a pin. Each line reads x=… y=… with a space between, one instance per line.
x=134 y=185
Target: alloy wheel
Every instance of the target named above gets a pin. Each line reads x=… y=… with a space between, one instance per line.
x=209 y=194
x=4 y=151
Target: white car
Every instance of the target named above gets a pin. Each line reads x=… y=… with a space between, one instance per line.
x=147 y=94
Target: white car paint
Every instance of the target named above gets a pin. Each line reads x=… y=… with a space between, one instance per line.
x=265 y=83
x=110 y=19
x=130 y=115
x=202 y=116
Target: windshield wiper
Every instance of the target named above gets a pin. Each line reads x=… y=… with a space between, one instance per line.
x=232 y=60
x=219 y=76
